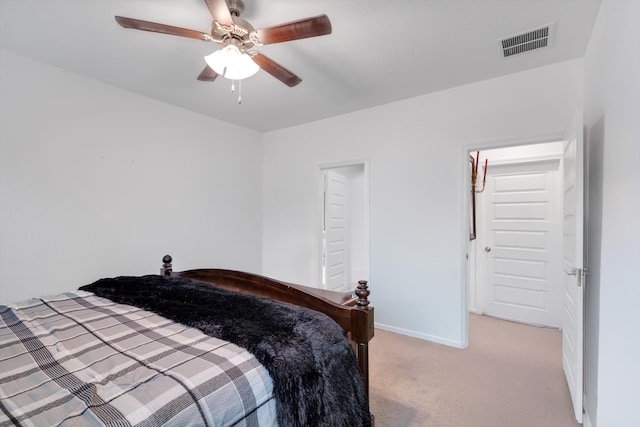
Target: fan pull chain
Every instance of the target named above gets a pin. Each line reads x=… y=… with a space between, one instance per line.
x=233 y=89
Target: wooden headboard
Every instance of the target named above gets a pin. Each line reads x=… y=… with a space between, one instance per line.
x=349 y=310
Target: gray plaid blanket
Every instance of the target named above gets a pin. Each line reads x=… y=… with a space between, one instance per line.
x=78 y=359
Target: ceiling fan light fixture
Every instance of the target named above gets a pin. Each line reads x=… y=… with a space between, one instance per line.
x=231 y=63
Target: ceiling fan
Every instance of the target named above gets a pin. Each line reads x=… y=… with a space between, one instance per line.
x=237 y=36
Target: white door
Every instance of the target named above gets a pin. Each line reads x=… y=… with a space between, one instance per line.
x=520 y=273
x=573 y=263
x=335 y=231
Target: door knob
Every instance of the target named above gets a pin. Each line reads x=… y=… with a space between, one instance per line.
x=487 y=249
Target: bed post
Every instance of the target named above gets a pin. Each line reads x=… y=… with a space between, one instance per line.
x=166 y=266
x=362 y=329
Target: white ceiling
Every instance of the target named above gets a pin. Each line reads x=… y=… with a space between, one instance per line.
x=380 y=51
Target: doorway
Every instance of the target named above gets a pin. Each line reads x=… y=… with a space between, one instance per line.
x=528 y=254
x=518 y=248
x=343 y=230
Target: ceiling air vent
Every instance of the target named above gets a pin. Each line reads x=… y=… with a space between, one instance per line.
x=527 y=41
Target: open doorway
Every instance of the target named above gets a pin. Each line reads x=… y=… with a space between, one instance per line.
x=501 y=233
x=343 y=230
x=516 y=268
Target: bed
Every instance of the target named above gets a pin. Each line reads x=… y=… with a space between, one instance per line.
x=198 y=347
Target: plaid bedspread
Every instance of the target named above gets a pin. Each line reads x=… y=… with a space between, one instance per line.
x=77 y=359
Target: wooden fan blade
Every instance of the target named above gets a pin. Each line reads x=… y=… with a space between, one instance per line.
x=302 y=29
x=207 y=75
x=276 y=70
x=138 y=24
x=220 y=11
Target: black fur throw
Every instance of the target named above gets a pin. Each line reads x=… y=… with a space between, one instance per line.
x=315 y=374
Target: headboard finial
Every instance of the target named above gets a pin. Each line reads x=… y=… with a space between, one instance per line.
x=362 y=291
x=167 y=268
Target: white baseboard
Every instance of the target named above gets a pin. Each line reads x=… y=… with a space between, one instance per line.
x=420 y=335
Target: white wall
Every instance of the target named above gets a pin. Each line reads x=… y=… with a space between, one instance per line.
x=417 y=150
x=612 y=106
x=96 y=181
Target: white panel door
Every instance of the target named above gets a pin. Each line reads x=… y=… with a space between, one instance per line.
x=573 y=263
x=521 y=246
x=335 y=231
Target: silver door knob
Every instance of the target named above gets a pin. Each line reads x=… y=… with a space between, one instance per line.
x=487 y=249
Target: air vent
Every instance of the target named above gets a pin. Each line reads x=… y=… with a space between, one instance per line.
x=527 y=41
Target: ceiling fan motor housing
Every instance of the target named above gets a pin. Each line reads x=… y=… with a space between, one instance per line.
x=239 y=33
x=236 y=7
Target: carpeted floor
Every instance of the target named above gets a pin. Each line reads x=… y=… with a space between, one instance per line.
x=509 y=376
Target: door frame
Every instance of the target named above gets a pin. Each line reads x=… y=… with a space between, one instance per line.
x=467 y=247
x=317 y=247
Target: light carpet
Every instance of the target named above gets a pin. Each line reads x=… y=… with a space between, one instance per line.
x=509 y=376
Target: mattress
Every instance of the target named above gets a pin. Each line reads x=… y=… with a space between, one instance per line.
x=78 y=359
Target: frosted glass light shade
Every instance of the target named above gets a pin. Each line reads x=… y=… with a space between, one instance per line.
x=232 y=64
